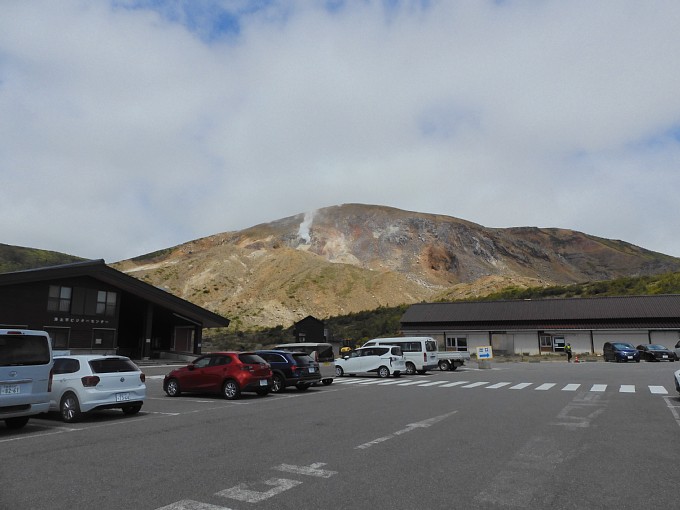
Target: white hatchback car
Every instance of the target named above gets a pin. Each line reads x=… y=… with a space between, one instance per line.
x=84 y=383
x=382 y=360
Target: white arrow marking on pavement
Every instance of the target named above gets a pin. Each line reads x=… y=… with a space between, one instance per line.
x=241 y=493
x=410 y=427
x=311 y=470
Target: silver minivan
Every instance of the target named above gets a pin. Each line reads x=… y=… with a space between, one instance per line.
x=25 y=375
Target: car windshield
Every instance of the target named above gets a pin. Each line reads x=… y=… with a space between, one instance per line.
x=108 y=365
x=623 y=346
x=250 y=359
x=657 y=348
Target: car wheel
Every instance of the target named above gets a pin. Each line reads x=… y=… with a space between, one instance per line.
x=16 y=423
x=172 y=389
x=302 y=387
x=339 y=372
x=230 y=390
x=444 y=365
x=410 y=368
x=130 y=410
x=326 y=382
x=383 y=372
x=69 y=408
x=262 y=391
x=278 y=384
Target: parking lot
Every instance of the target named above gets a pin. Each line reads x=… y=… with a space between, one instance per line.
x=519 y=435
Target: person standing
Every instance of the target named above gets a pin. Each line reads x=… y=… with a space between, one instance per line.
x=567 y=349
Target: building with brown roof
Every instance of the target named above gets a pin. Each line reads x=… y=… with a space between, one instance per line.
x=89 y=307
x=546 y=325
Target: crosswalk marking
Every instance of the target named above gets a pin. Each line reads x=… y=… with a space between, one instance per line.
x=497 y=385
x=475 y=384
x=423 y=382
x=521 y=386
x=545 y=386
x=417 y=381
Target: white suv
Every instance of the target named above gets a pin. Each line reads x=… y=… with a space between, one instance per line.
x=384 y=360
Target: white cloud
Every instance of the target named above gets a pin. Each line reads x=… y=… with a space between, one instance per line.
x=126 y=130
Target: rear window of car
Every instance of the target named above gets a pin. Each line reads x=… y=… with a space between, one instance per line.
x=302 y=359
x=250 y=359
x=24 y=350
x=109 y=365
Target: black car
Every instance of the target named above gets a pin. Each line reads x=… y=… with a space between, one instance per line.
x=656 y=352
x=291 y=369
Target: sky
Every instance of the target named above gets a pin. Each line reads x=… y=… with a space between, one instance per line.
x=129 y=126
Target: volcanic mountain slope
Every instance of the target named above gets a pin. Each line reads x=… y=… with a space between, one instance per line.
x=355 y=257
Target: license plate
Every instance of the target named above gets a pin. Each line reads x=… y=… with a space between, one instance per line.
x=630 y=357
x=122 y=397
x=665 y=356
x=263 y=382
x=10 y=389
x=312 y=370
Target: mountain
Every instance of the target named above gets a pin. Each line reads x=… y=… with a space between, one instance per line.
x=18 y=258
x=354 y=257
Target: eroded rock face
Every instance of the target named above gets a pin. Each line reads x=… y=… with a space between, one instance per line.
x=354 y=257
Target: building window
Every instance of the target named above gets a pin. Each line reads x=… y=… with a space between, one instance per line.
x=106 y=303
x=456 y=343
x=103 y=338
x=59 y=337
x=546 y=342
x=184 y=339
x=59 y=299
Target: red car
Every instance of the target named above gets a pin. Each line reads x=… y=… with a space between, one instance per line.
x=228 y=373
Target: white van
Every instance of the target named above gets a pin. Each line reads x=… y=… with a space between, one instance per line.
x=322 y=353
x=25 y=375
x=420 y=352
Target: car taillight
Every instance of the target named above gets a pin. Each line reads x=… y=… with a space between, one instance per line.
x=294 y=368
x=142 y=377
x=90 y=381
x=49 y=381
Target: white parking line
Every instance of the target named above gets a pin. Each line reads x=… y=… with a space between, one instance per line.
x=433 y=383
x=396 y=381
x=419 y=381
x=545 y=386
x=571 y=387
x=374 y=381
x=627 y=388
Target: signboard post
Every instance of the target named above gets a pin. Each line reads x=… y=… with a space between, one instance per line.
x=484 y=356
